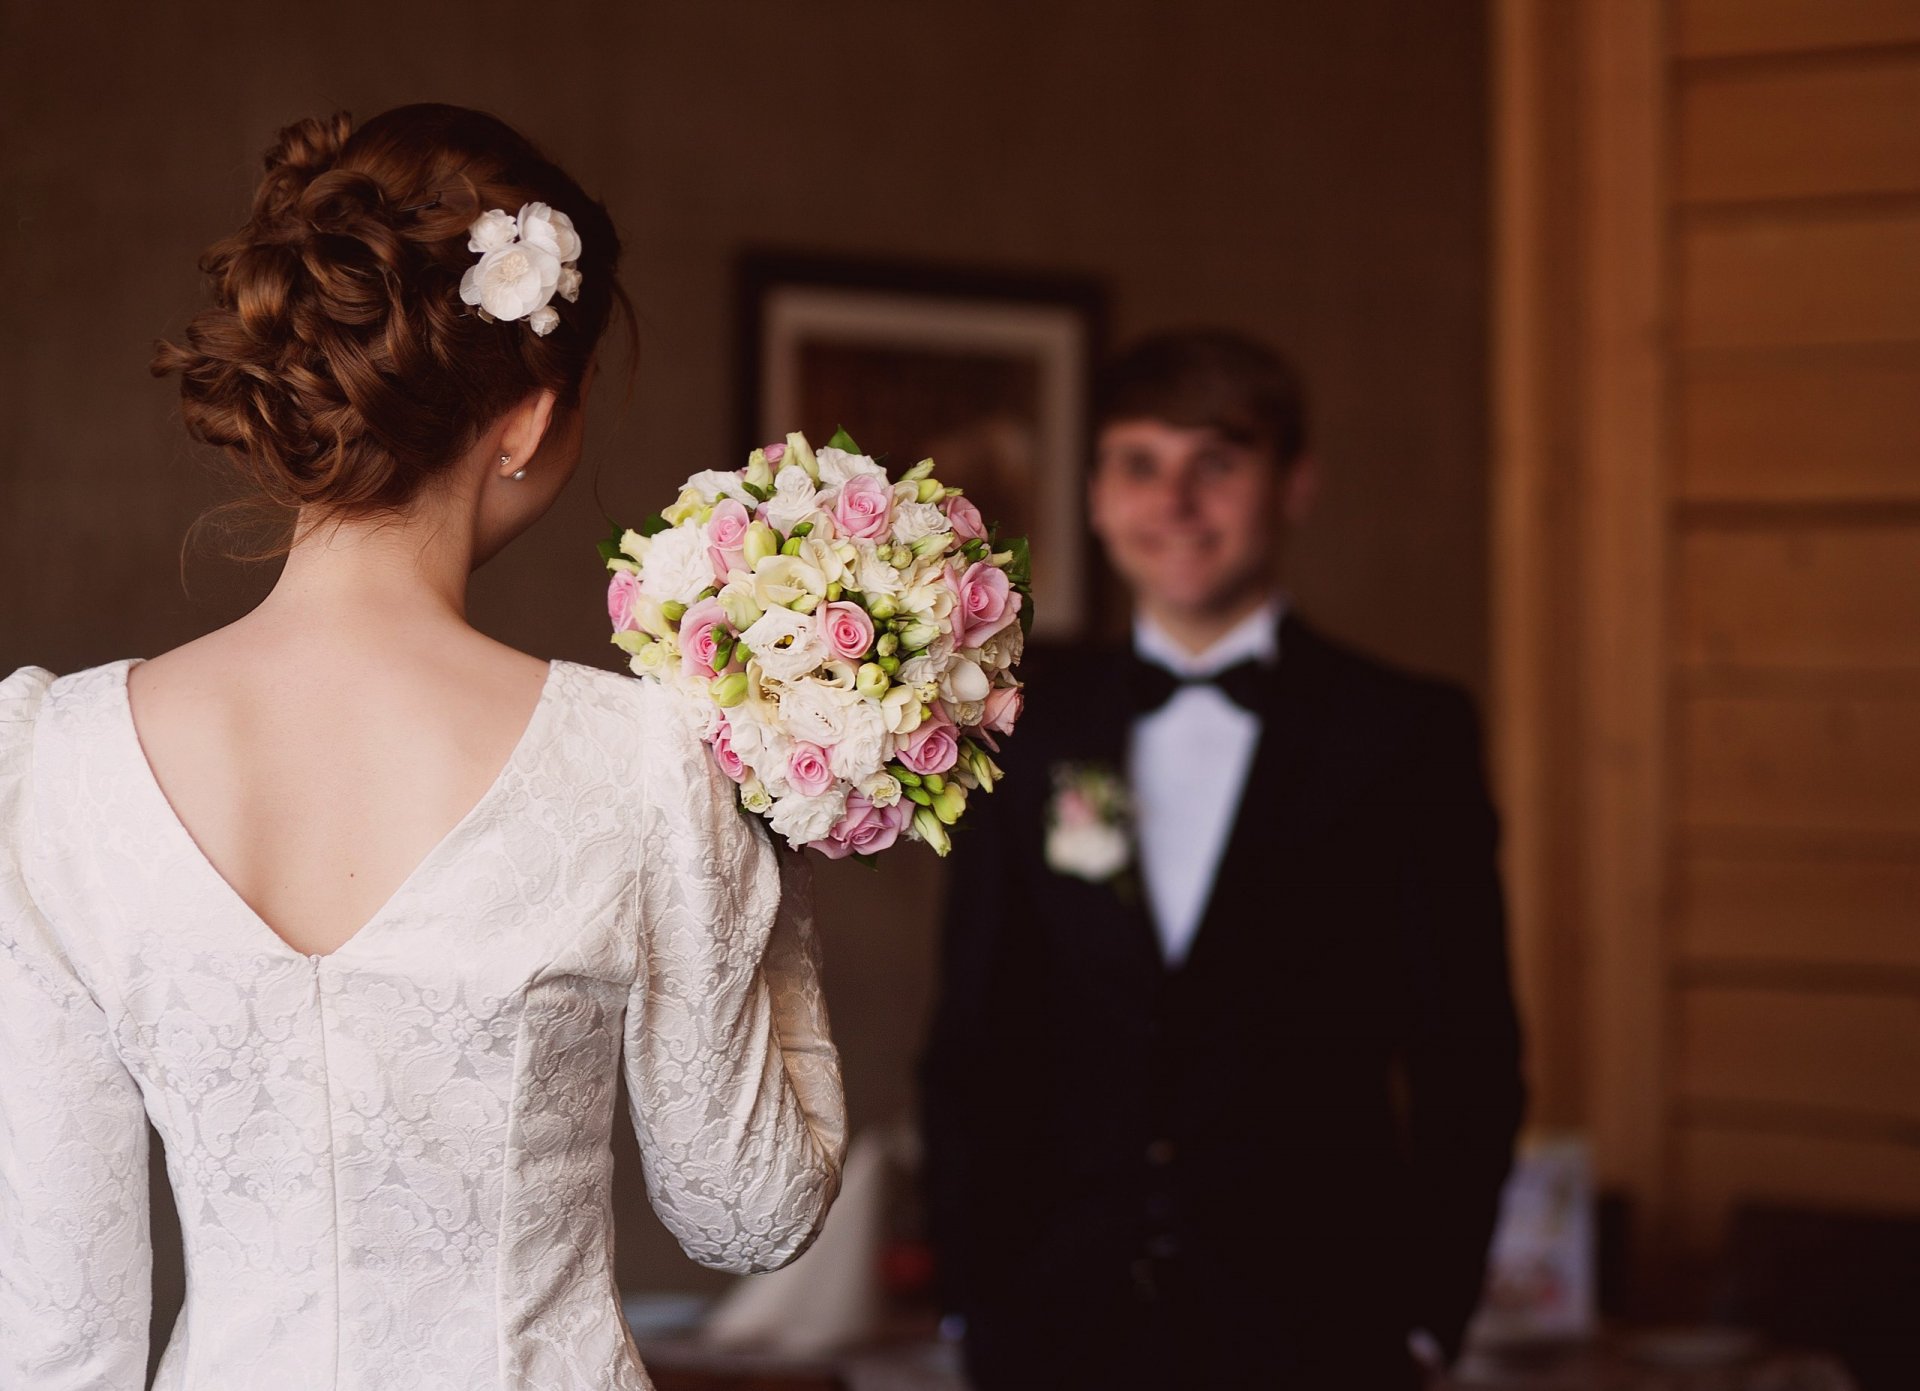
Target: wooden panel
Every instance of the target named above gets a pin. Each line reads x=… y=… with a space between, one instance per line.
x=1800 y=132
x=1833 y=912
x=1709 y=27
x=1828 y=1053
x=1800 y=762
x=1721 y=1167
x=1826 y=426
x=1773 y=280
x=1800 y=596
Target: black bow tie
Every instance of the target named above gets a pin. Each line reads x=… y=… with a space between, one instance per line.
x=1150 y=685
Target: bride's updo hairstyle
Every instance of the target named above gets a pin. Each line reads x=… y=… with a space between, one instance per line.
x=338 y=367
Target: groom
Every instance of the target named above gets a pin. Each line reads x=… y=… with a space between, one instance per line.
x=1221 y=1094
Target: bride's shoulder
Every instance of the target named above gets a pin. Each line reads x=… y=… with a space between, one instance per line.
x=25 y=693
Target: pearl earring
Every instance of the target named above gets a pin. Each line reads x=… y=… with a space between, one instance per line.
x=519 y=474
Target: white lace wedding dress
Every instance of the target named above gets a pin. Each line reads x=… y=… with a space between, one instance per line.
x=391 y=1163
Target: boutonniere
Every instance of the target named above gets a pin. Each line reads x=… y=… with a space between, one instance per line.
x=1089 y=823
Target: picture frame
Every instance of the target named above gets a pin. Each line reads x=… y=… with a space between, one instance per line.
x=987 y=372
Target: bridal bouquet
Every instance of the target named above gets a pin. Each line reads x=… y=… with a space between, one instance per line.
x=847 y=639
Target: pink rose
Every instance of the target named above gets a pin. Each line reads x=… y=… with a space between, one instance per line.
x=848 y=629
x=726 y=535
x=865 y=829
x=730 y=762
x=933 y=747
x=808 y=770
x=775 y=452
x=966 y=520
x=1004 y=704
x=621 y=590
x=697 y=640
x=986 y=601
x=863 y=509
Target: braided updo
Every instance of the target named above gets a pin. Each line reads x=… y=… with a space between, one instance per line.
x=338 y=367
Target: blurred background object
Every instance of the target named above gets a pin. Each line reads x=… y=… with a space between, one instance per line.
x=1611 y=312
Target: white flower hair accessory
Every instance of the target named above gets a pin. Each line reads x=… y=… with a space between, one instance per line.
x=524 y=262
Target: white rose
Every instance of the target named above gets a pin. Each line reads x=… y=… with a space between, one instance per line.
x=493 y=230
x=914 y=520
x=837 y=466
x=788 y=645
x=543 y=320
x=1093 y=851
x=568 y=287
x=551 y=231
x=511 y=282
x=793 y=499
x=802 y=819
x=676 y=568
x=882 y=789
x=873 y=575
x=864 y=743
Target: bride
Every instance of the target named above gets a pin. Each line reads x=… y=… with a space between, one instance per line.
x=364 y=911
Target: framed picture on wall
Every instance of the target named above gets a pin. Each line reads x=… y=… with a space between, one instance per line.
x=989 y=374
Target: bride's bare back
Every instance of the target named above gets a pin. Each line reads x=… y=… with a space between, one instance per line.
x=316 y=781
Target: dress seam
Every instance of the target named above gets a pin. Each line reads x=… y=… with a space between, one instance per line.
x=333 y=1161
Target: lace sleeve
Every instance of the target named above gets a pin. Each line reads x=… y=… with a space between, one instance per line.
x=734 y=1080
x=75 y=1262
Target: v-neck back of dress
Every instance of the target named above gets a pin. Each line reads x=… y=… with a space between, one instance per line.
x=141 y=771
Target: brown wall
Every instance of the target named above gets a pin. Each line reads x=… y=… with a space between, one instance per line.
x=1312 y=171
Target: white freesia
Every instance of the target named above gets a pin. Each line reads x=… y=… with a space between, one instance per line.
x=512 y=281
x=837 y=466
x=825 y=557
x=792 y=501
x=492 y=230
x=788 y=645
x=900 y=708
x=551 y=231
x=755 y=797
x=931 y=599
x=781 y=581
x=801 y=819
x=675 y=568
x=963 y=680
x=912 y=521
x=864 y=744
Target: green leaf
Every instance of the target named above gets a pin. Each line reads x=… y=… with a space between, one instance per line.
x=610 y=547
x=654 y=525
x=842 y=440
x=1021 y=569
x=1026 y=615
x=756 y=493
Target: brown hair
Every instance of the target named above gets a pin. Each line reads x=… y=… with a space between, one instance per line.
x=1212 y=378
x=338 y=367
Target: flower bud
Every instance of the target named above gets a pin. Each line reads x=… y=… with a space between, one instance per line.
x=872 y=680
x=934 y=783
x=759 y=470
x=760 y=542
x=801 y=453
x=889 y=644
x=632 y=643
x=791 y=546
x=917 y=472
x=729 y=691
x=917 y=635
x=949 y=802
x=722 y=654
x=806 y=603
x=904 y=775
x=890 y=664
x=930 y=490
x=882 y=608
x=931 y=544
x=919 y=796
x=835 y=590
x=673 y=610
x=927 y=826
x=742 y=612
x=901 y=557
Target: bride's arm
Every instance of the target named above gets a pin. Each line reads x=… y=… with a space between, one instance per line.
x=733 y=1077
x=75 y=1264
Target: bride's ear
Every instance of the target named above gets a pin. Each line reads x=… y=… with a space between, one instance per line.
x=522 y=429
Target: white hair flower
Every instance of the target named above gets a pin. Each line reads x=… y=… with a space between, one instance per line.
x=524 y=261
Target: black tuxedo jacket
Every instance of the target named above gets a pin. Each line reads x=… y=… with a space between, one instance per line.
x=1272 y=1162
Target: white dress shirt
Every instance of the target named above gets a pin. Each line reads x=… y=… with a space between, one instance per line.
x=1187 y=763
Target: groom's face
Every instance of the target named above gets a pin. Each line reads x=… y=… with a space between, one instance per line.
x=1189 y=516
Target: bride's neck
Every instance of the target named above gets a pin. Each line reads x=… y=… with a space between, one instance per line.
x=410 y=568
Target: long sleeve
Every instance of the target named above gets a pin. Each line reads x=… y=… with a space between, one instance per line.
x=734 y=1080
x=75 y=1261
x=1465 y=1090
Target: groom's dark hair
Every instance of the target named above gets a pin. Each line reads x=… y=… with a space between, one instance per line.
x=1208 y=378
